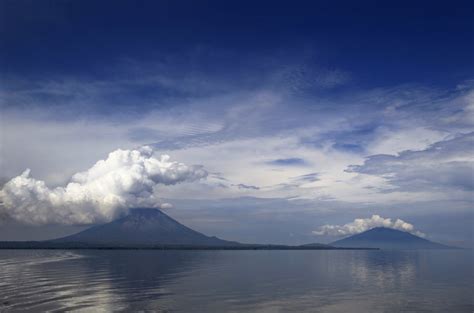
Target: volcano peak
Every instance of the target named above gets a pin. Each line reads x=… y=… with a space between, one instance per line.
x=144 y=226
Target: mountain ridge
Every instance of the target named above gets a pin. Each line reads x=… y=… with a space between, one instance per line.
x=145 y=228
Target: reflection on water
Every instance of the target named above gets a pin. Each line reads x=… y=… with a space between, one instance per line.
x=236 y=281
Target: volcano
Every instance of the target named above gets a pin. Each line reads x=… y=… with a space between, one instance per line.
x=387 y=238
x=144 y=227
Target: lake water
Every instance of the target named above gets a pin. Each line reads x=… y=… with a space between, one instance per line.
x=236 y=281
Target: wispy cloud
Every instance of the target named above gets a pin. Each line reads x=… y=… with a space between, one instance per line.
x=443 y=165
x=243 y=186
x=275 y=131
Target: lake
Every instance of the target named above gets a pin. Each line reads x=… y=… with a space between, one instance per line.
x=236 y=281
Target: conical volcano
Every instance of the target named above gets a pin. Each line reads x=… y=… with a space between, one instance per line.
x=387 y=238
x=144 y=227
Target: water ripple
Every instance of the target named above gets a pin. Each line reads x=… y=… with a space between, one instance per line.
x=236 y=281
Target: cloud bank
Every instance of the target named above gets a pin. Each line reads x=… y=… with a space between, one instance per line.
x=360 y=225
x=125 y=179
x=444 y=164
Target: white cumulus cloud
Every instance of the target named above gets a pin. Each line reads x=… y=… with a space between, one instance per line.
x=360 y=225
x=125 y=179
x=166 y=206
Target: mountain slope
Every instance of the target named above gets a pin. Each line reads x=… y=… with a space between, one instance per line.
x=387 y=238
x=144 y=227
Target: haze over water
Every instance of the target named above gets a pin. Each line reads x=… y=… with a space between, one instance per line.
x=237 y=281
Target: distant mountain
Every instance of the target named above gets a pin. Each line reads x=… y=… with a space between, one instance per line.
x=316 y=245
x=387 y=238
x=144 y=227
x=147 y=228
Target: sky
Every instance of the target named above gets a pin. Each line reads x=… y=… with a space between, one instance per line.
x=255 y=121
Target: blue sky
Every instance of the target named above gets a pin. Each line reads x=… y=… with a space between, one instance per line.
x=302 y=115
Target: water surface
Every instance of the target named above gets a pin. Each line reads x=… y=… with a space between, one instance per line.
x=236 y=281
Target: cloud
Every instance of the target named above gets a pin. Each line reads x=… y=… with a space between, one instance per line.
x=244 y=186
x=360 y=225
x=444 y=164
x=166 y=206
x=307 y=178
x=126 y=179
x=303 y=76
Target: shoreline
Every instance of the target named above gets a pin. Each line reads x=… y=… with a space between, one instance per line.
x=34 y=245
